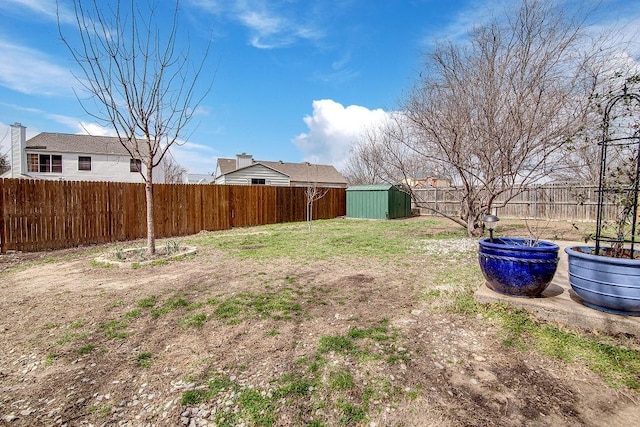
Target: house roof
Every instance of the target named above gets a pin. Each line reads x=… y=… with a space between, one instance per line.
x=297 y=172
x=71 y=143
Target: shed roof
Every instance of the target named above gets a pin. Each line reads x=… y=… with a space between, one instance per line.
x=374 y=187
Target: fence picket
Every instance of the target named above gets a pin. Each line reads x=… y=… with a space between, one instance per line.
x=37 y=215
x=556 y=202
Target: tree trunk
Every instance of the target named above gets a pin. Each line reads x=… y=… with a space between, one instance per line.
x=475 y=228
x=151 y=234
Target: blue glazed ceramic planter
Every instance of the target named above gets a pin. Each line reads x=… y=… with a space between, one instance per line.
x=605 y=283
x=512 y=266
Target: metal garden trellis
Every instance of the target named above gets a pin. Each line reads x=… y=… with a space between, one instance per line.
x=630 y=190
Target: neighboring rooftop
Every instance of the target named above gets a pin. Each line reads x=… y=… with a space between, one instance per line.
x=72 y=143
x=297 y=172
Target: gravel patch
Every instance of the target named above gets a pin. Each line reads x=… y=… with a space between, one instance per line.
x=447 y=246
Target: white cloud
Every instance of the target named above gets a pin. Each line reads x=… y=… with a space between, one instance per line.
x=271 y=30
x=333 y=129
x=270 y=25
x=30 y=71
x=41 y=7
x=94 y=129
x=478 y=12
x=45 y=8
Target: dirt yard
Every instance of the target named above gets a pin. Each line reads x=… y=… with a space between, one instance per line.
x=227 y=338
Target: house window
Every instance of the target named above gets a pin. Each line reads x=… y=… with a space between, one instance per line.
x=56 y=163
x=33 y=162
x=135 y=165
x=84 y=163
x=44 y=163
x=258 y=181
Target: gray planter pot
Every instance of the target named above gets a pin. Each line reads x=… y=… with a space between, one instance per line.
x=605 y=283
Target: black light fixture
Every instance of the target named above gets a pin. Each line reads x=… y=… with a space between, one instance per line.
x=490 y=222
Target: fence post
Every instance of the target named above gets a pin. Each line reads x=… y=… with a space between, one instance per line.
x=3 y=240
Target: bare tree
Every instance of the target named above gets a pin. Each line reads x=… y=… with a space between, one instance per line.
x=140 y=80
x=495 y=113
x=358 y=170
x=173 y=171
x=582 y=153
x=313 y=193
x=4 y=163
x=382 y=155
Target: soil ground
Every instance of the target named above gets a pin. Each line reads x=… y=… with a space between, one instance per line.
x=221 y=339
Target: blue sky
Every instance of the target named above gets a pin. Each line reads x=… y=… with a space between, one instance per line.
x=293 y=80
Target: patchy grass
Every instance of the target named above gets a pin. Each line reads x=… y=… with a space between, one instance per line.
x=51 y=357
x=86 y=349
x=278 y=306
x=317 y=369
x=618 y=366
x=323 y=393
x=341 y=380
x=101 y=410
x=170 y=305
x=193 y=320
x=143 y=360
x=244 y=403
x=330 y=239
x=115 y=329
x=148 y=302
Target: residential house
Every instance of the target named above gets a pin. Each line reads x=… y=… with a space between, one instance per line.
x=244 y=170
x=73 y=158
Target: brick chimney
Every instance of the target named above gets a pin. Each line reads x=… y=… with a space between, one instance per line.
x=243 y=160
x=18 y=145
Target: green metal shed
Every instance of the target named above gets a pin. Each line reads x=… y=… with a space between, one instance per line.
x=378 y=202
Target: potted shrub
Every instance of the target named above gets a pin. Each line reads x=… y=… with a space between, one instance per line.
x=516 y=266
x=607 y=276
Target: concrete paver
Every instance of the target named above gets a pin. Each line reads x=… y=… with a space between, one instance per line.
x=559 y=303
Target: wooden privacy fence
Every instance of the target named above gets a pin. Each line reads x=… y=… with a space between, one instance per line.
x=558 y=202
x=39 y=214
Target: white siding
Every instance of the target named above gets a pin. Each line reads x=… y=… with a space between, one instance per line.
x=104 y=167
x=318 y=184
x=244 y=176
